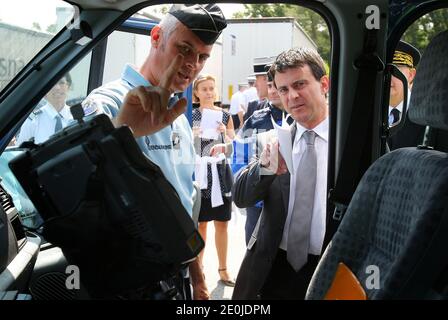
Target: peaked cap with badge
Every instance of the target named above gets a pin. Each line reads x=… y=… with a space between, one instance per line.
x=205 y=20
x=406 y=54
x=262 y=64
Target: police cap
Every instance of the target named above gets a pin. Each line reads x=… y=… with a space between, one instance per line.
x=205 y=20
x=406 y=54
x=261 y=65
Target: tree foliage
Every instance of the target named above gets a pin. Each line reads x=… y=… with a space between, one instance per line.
x=36 y=26
x=421 y=32
x=52 y=28
x=262 y=10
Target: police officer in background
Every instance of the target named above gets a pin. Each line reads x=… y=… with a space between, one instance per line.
x=406 y=58
x=238 y=105
x=261 y=83
x=251 y=93
x=51 y=117
x=261 y=121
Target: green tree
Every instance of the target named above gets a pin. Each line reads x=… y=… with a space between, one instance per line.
x=421 y=32
x=313 y=24
x=52 y=28
x=36 y=26
x=262 y=10
x=316 y=28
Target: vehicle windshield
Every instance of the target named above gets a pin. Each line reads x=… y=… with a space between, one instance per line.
x=28 y=213
x=26 y=26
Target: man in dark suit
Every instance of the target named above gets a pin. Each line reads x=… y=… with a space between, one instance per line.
x=406 y=58
x=261 y=121
x=287 y=241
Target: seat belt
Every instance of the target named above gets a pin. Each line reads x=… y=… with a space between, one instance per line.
x=353 y=161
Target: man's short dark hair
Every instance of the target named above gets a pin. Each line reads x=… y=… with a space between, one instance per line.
x=297 y=58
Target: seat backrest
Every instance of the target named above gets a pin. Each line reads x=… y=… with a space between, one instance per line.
x=395 y=230
x=438 y=139
x=432 y=77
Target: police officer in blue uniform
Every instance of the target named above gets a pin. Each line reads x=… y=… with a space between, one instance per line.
x=261 y=121
x=261 y=80
x=143 y=99
x=50 y=117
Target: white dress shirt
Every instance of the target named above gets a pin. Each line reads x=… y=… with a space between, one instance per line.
x=318 y=222
x=41 y=123
x=250 y=94
x=399 y=107
x=237 y=102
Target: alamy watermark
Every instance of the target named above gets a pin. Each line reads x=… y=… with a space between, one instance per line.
x=373 y=18
x=373 y=280
x=73 y=278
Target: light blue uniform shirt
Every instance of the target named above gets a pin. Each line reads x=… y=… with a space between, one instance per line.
x=170 y=148
x=40 y=125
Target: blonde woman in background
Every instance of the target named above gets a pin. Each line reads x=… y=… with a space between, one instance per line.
x=204 y=94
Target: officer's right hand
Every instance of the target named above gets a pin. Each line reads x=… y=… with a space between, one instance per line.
x=145 y=109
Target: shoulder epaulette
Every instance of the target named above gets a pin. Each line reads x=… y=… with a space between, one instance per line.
x=35 y=113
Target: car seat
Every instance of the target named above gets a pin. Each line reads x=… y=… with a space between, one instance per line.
x=397 y=221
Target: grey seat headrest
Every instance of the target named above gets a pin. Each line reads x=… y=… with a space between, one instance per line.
x=429 y=98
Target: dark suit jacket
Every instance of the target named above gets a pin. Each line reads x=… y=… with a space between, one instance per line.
x=248 y=189
x=263 y=245
x=254 y=106
x=410 y=135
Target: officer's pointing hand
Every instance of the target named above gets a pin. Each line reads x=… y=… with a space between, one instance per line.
x=145 y=109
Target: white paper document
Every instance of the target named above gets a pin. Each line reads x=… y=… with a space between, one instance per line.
x=285 y=142
x=209 y=123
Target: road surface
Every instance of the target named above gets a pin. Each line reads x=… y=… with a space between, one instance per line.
x=236 y=251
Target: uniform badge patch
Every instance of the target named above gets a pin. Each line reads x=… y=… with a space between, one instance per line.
x=89 y=107
x=175 y=138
